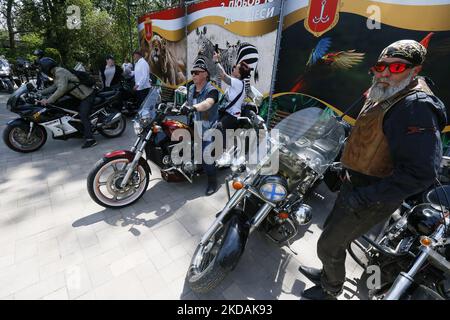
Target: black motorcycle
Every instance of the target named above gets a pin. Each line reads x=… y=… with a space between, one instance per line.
x=411 y=250
x=268 y=197
x=6 y=78
x=24 y=70
x=128 y=96
x=28 y=134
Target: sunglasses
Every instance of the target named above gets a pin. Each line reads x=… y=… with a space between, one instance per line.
x=196 y=72
x=394 y=67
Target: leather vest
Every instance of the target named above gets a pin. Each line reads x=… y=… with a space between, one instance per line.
x=367 y=148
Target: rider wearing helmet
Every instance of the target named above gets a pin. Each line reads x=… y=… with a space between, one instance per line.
x=67 y=83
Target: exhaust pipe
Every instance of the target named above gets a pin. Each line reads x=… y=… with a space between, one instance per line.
x=112 y=119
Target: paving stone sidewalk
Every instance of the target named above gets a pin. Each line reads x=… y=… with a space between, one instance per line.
x=56 y=243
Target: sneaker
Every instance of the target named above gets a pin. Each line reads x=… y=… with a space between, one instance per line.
x=89 y=143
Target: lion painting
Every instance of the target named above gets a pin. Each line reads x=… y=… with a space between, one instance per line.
x=164 y=64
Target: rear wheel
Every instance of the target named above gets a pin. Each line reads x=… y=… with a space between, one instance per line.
x=19 y=138
x=114 y=130
x=104 y=181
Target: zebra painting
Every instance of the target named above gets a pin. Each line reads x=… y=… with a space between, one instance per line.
x=230 y=56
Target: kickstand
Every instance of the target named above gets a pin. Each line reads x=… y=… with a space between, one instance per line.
x=289 y=246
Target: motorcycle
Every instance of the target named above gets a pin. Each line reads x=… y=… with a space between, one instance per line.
x=24 y=70
x=309 y=142
x=121 y=177
x=27 y=133
x=130 y=104
x=411 y=250
x=6 y=78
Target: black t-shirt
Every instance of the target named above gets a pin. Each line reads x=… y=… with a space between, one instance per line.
x=213 y=94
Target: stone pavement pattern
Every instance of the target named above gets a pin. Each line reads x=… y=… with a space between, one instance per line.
x=56 y=243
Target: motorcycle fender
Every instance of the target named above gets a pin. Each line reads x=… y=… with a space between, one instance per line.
x=129 y=155
x=19 y=122
x=233 y=243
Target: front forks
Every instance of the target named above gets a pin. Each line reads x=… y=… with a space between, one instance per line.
x=137 y=157
x=30 y=131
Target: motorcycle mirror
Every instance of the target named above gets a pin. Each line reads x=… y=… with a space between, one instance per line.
x=303 y=214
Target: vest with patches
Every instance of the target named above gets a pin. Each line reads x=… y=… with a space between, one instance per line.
x=210 y=116
x=367 y=148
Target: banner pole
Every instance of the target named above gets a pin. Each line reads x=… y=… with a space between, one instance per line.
x=186 y=33
x=275 y=60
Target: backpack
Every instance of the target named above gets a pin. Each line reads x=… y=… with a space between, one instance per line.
x=84 y=77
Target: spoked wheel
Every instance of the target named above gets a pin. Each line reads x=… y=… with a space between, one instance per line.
x=114 y=130
x=105 y=178
x=204 y=272
x=18 y=138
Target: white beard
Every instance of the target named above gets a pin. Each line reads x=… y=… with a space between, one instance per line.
x=378 y=93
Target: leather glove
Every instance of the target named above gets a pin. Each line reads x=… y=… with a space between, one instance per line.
x=186 y=110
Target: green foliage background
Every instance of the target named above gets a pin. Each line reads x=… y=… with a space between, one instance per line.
x=105 y=29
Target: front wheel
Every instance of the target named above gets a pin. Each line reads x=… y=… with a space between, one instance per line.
x=104 y=180
x=205 y=272
x=20 y=139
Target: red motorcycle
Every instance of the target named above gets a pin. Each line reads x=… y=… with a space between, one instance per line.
x=121 y=177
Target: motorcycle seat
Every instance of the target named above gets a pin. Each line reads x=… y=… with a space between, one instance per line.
x=101 y=97
x=105 y=94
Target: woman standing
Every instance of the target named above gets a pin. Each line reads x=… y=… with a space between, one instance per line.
x=111 y=74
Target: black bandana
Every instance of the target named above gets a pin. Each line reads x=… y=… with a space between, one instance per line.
x=409 y=50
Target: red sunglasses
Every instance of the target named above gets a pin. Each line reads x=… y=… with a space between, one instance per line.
x=394 y=67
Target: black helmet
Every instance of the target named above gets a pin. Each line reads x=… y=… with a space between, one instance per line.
x=423 y=219
x=47 y=64
x=39 y=53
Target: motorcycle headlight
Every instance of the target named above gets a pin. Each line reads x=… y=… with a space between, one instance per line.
x=137 y=128
x=273 y=189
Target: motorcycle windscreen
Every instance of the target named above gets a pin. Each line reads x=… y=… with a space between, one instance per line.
x=148 y=107
x=12 y=100
x=312 y=135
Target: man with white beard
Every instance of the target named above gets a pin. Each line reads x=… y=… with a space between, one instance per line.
x=394 y=151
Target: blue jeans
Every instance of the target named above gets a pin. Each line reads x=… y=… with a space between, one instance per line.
x=210 y=169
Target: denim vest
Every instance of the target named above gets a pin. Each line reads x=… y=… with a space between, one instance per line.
x=209 y=117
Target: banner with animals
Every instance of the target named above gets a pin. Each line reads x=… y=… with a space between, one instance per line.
x=328 y=46
x=238 y=31
x=162 y=38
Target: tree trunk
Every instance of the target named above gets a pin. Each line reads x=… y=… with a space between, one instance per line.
x=10 y=25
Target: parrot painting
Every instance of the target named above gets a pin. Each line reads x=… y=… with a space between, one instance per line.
x=320 y=56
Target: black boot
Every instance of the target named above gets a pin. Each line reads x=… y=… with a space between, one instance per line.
x=312 y=274
x=212 y=185
x=318 y=293
x=89 y=143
